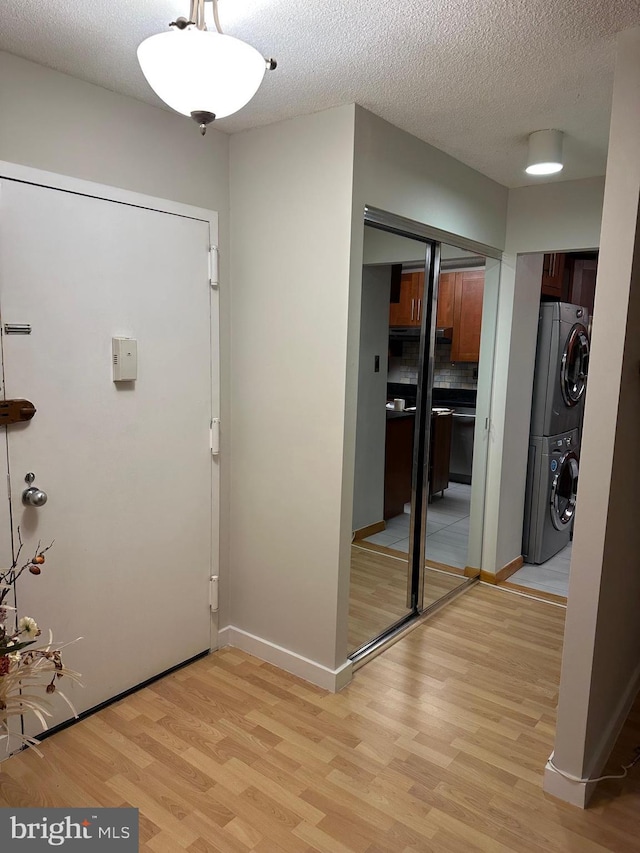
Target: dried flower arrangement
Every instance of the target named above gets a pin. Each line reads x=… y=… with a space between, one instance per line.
x=24 y=667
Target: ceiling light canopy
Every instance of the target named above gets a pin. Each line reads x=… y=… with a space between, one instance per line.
x=202 y=74
x=545 y=152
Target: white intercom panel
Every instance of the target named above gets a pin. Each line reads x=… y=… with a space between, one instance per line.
x=125 y=359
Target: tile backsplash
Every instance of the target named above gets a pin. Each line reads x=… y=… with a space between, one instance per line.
x=448 y=374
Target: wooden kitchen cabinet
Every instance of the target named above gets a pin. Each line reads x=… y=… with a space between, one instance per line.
x=398 y=461
x=459 y=306
x=408 y=310
x=569 y=277
x=553 y=275
x=583 y=283
x=469 y=290
x=398 y=464
x=439 y=451
x=446 y=299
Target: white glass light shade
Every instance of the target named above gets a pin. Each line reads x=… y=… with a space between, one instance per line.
x=545 y=152
x=544 y=168
x=196 y=70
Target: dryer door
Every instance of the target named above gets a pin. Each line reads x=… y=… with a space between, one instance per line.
x=575 y=365
x=564 y=490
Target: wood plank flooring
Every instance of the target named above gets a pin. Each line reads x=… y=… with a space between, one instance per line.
x=437 y=746
x=378 y=591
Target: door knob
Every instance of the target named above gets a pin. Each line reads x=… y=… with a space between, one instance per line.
x=34 y=497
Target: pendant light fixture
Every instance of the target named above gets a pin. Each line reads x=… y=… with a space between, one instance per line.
x=545 y=152
x=202 y=74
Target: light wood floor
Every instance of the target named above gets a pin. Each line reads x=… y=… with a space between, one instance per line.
x=437 y=746
x=378 y=592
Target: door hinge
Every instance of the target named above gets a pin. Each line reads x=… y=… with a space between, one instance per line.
x=214 y=257
x=17 y=329
x=213 y=593
x=214 y=436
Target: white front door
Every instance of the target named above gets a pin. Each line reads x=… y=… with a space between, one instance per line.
x=127 y=467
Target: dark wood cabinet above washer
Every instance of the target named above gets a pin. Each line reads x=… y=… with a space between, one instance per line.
x=553 y=278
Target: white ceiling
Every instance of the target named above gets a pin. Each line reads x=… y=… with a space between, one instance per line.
x=472 y=77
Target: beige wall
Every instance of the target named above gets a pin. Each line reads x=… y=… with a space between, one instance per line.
x=555 y=217
x=291 y=216
x=57 y=123
x=601 y=662
x=400 y=173
x=368 y=493
x=383 y=247
x=517 y=327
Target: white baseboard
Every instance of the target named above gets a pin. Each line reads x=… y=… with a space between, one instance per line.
x=316 y=673
x=579 y=793
x=574 y=793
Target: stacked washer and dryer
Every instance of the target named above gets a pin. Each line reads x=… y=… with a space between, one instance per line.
x=562 y=361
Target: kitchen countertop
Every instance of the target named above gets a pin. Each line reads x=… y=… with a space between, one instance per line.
x=392 y=413
x=450 y=397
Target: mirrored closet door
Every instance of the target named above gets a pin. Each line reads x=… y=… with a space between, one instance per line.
x=426 y=345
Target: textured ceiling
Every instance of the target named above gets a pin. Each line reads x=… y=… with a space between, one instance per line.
x=472 y=77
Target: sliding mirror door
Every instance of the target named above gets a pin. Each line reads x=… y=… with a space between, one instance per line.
x=383 y=590
x=427 y=334
x=460 y=377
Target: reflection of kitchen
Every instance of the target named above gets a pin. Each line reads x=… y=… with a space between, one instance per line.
x=453 y=412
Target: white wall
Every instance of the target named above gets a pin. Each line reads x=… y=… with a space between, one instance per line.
x=291 y=217
x=400 y=173
x=601 y=661
x=384 y=247
x=482 y=497
x=60 y=124
x=55 y=122
x=517 y=328
x=371 y=429
x=555 y=217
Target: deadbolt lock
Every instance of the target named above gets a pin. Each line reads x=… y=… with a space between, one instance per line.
x=15 y=411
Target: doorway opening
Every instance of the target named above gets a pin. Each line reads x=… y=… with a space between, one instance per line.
x=567 y=297
x=425 y=369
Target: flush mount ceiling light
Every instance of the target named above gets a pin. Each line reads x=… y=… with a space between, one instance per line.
x=545 y=152
x=202 y=74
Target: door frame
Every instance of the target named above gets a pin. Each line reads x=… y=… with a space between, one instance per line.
x=78 y=186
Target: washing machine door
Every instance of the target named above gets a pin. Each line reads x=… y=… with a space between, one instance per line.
x=564 y=490
x=575 y=365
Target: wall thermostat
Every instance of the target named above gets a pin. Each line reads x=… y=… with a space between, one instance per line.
x=124 y=353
